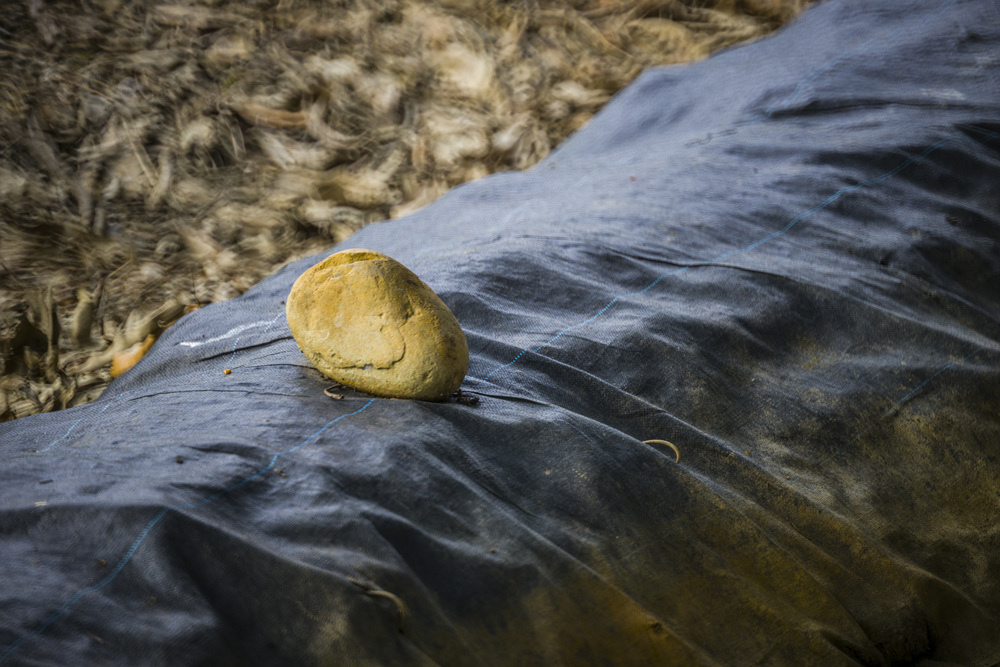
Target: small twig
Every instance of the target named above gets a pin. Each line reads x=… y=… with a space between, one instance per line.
x=375 y=592
x=400 y=607
x=667 y=444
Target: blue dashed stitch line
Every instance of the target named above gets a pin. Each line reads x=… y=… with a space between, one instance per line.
x=923 y=384
x=57 y=614
x=70 y=430
x=730 y=253
x=828 y=65
x=912 y=393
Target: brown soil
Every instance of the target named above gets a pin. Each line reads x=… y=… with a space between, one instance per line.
x=158 y=157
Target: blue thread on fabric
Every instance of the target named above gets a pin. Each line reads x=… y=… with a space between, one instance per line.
x=64 y=435
x=52 y=618
x=912 y=393
x=923 y=384
x=70 y=430
x=828 y=65
x=730 y=253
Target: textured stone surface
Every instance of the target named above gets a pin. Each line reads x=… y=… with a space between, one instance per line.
x=366 y=321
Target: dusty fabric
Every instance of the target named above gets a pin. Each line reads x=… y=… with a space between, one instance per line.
x=784 y=261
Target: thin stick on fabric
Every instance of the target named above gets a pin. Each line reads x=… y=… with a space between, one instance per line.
x=665 y=443
x=895 y=408
x=375 y=592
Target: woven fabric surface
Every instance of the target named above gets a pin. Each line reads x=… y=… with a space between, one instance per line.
x=784 y=261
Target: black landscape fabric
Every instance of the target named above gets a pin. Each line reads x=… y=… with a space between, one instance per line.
x=784 y=261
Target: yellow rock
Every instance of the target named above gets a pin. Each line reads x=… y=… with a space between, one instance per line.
x=368 y=322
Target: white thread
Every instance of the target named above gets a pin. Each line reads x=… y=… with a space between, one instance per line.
x=229 y=334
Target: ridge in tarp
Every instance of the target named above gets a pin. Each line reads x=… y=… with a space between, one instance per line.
x=783 y=260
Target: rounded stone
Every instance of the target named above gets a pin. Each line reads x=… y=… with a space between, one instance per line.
x=367 y=322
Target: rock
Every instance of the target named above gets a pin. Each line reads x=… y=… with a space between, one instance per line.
x=366 y=321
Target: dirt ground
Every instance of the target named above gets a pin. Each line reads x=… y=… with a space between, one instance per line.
x=157 y=157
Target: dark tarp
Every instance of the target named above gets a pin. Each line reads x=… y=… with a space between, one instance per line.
x=784 y=260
